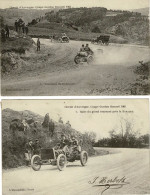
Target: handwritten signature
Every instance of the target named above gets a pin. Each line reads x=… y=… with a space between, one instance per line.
x=108 y=183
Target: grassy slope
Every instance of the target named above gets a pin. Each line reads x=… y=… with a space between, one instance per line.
x=46 y=29
x=10 y=15
x=13 y=146
x=16 y=44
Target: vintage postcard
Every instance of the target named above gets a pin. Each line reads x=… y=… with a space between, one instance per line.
x=75 y=48
x=70 y=147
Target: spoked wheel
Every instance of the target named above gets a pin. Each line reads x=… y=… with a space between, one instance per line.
x=100 y=42
x=77 y=59
x=61 y=162
x=36 y=162
x=83 y=158
x=90 y=59
x=60 y=40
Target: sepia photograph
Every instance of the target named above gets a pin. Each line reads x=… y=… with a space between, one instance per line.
x=70 y=147
x=75 y=48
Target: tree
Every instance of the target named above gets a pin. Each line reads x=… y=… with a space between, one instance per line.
x=91 y=136
x=96 y=30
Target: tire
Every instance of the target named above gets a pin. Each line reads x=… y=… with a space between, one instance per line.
x=61 y=162
x=60 y=40
x=83 y=158
x=35 y=162
x=77 y=59
x=100 y=42
x=89 y=59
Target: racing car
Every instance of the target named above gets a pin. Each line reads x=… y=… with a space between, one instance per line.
x=83 y=57
x=102 y=39
x=64 y=39
x=58 y=157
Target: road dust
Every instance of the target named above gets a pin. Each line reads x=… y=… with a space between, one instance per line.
x=120 y=55
x=52 y=71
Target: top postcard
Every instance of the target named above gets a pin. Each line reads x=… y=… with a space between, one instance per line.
x=75 y=48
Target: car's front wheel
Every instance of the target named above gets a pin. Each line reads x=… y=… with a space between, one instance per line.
x=36 y=162
x=83 y=158
x=77 y=59
x=61 y=162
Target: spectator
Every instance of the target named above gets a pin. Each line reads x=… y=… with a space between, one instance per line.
x=16 y=25
x=60 y=120
x=3 y=35
x=38 y=44
x=7 y=31
x=29 y=152
x=26 y=29
x=23 y=27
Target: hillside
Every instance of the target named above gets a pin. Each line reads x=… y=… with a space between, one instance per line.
x=13 y=144
x=84 y=23
x=100 y=20
x=143 y=11
x=10 y=15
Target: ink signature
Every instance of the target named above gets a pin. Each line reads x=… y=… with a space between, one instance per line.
x=108 y=183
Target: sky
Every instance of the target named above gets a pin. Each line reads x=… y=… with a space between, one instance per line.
x=110 y=4
x=100 y=123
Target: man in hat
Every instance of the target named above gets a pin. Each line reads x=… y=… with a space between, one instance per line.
x=37 y=147
x=7 y=31
x=16 y=25
x=88 y=50
x=63 y=141
x=74 y=141
x=75 y=144
x=64 y=144
x=29 y=149
x=38 y=44
x=82 y=51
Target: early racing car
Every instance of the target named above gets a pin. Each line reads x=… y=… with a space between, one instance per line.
x=64 y=39
x=58 y=157
x=102 y=39
x=83 y=57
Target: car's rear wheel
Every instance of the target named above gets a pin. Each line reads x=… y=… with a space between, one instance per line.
x=90 y=59
x=61 y=162
x=60 y=40
x=36 y=162
x=83 y=158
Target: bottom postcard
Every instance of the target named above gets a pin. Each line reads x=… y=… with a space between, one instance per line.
x=70 y=147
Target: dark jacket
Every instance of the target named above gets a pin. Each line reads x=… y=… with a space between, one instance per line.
x=37 y=148
x=29 y=148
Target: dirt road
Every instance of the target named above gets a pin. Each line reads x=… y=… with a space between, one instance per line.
x=131 y=164
x=52 y=71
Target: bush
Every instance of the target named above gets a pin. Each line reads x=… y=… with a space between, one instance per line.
x=96 y=30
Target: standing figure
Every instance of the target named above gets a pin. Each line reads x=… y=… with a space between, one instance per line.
x=23 y=27
x=16 y=25
x=26 y=29
x=29 y=149
x=7 y=31
x=38 y=44
x=3 y=35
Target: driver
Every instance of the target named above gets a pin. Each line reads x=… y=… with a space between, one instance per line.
x=88 y=50
x=82 y=51
x=75 y=144
x=64 y=35
x=64 y=143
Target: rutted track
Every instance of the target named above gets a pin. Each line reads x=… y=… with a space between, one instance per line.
x=133 y=164
x=53 y=71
